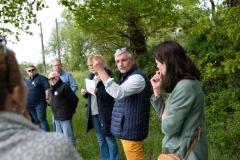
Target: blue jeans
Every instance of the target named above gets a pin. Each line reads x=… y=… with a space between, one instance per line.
x=39 y=114
x=66 y=128
x=108 y=145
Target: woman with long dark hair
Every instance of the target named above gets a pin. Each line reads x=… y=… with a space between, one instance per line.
x=183 y=111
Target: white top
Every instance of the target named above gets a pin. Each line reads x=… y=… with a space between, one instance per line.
x=133 y=85
x=94 y=105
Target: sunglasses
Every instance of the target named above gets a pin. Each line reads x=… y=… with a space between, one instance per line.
x=31 y=70
x=125 y=49
x=52 y=78
x=3 y=42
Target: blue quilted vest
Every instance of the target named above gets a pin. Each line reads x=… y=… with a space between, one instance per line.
x=130 y=116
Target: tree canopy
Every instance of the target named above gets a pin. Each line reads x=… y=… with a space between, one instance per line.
x=114 y=24
x=74 y=45
x=16 y=16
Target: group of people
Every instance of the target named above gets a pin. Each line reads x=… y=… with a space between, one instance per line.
x=59 y=95
x=127 y=113
x=114 y=110
x=19 y=138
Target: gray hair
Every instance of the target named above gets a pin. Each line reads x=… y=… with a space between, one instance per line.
x=124 y=50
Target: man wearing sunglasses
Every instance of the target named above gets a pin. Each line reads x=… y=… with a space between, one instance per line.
x=131 y=111
x=66 y=77
x=38 y=96
x=63 y=104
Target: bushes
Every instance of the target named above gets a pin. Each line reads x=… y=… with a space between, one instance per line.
x=215 y=46
x=223 y=113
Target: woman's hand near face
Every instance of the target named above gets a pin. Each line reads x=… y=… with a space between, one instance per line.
x=156 y=82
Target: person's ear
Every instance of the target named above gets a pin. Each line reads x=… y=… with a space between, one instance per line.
x=16 y=96
x=133 y=60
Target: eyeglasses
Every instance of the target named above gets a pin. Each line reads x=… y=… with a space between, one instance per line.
x=31 y=70
x=52 y=78
x=125 y=49
x=3 y=42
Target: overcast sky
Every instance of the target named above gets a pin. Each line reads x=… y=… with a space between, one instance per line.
x=29 y=48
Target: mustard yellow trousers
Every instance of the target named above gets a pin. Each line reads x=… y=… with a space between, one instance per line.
x=133 y=149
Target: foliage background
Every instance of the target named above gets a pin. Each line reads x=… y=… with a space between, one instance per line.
x=209 y=31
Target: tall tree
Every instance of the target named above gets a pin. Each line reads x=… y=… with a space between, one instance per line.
x=73 y=43
x=129 y=23
x=17 y=15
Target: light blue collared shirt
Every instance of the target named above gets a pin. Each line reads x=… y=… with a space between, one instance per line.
x=68 y=79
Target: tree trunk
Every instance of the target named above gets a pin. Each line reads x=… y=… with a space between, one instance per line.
x=137 y=41
x=213 y=6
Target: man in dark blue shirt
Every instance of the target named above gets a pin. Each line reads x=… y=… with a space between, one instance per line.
x=38 y=96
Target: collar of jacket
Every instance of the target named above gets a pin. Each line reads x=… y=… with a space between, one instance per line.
x=54 y=87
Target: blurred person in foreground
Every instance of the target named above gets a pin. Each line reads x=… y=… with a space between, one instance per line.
x=19 y=138
x=99 y=112
x=183 y=112
x=131 y=111
x=63 y=103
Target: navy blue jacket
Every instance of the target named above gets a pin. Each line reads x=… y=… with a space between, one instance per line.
x=130 y=117
x=105 y=104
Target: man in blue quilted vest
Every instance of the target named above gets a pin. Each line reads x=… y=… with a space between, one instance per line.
x=130 y=116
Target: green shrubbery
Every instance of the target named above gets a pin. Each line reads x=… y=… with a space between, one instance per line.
x=215 y=45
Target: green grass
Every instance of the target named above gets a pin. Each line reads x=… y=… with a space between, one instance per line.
x=87 y=144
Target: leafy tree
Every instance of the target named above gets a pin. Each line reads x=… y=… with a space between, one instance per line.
x=40 y=68
x=214 y=43
x=231 y=3
x=23 y=68
x=114 y=24
x=73 y=43
x=19 y=15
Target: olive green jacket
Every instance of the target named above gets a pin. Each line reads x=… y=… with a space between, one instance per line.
x=185 y=114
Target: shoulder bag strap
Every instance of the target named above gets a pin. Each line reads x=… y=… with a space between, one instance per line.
x=194 y=141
